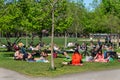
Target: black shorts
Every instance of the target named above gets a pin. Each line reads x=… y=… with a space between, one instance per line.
x=25 y=56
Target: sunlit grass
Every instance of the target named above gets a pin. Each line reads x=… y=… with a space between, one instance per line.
x=43 y=69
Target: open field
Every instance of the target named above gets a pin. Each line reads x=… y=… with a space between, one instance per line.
x=43 y=69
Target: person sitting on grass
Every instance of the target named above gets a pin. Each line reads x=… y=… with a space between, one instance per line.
x=109 y=58
x=89 y=58
x=99 y=57
x=83 y=49
x=76 y=58
x=110 y=50
x=26 y=55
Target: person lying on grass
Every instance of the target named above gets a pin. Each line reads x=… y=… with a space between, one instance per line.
x=37 y=48
x=59 y=51
x=18 y=55
x=43 y=57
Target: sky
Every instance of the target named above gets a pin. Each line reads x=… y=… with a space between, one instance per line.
x=87 y=2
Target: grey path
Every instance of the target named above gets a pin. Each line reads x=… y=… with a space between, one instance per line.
x=100 y=75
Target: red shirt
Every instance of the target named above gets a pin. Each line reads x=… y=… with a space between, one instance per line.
x=76 y=58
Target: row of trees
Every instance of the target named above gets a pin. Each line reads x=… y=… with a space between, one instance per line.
x=107 y=17
x=33 y=16
x=28 y=17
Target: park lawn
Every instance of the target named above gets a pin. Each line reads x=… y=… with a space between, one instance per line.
x=43 y=69
x=47 y=40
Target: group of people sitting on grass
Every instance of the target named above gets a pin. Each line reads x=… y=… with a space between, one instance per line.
x=83 y=52
x=92 y=53
x=22 y=54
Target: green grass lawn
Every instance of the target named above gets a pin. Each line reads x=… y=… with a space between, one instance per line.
x=43 y=69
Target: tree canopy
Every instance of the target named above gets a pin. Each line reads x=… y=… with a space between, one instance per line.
x=33 y=16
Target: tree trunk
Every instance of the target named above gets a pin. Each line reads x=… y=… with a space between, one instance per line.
x=32 y=39
x=26 y=40
x=118 y=41
x=52 y=42
x=65 y=40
